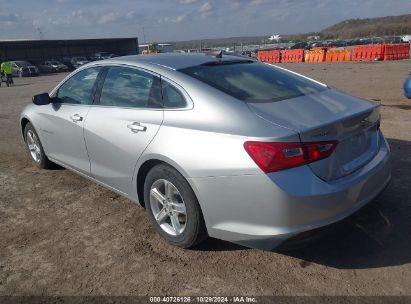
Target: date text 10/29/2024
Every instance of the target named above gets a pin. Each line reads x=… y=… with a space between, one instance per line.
x=205 y=299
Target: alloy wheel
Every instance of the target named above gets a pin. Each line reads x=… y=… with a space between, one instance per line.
x=168 y=207
x=33 y=145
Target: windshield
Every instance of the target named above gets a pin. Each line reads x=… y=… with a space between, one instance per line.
x=253 y=82
x=22 y=63
x=80 y=58
x=54 y=62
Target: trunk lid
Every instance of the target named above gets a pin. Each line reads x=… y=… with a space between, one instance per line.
x=329 y=115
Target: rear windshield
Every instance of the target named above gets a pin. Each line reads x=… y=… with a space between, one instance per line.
x=253 y=82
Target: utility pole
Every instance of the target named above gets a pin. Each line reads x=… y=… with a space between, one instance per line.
x=144 y=35
x=40 y=32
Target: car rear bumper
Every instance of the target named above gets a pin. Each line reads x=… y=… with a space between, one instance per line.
x=265 y=210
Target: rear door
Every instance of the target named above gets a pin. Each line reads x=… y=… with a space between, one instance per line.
x=62 y=126
x=124 y=119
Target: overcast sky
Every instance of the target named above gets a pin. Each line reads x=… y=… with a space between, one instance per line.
x=171 y=20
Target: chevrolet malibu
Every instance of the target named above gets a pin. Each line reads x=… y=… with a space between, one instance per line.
x=213 y=145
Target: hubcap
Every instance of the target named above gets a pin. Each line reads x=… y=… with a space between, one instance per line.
x=168 y=207
x=33 y=145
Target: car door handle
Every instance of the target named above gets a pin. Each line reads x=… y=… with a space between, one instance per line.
x=136 y=127
x=76 y=118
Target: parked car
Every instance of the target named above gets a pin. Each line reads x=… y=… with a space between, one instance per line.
x=407 y=87
x=78 y=61
x=53 y=66
x=299 y=45
x=353 y=42
x=67 y=62
x=102 y=56
x=316 y=44
x=406 y=39
x=23 y=68
x=339 y=43
x=218 y=146
x=393 y=40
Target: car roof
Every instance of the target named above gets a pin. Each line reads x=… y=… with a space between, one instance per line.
x=175 y=61
x=20 y=61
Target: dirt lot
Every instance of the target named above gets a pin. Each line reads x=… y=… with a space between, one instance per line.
x=63 y=235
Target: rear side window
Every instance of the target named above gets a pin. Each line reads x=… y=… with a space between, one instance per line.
x=172 y=97
x=78 y=89
x=253 y=82
x=127 y=87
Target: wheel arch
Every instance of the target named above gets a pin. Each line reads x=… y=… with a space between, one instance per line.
x=24 y=120
x=23 y=123
x=147 y=164
x=141 y=177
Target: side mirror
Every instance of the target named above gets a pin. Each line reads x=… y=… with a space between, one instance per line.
x=41 y=99
x=407 y=87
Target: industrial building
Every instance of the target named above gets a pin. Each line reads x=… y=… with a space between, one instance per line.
x=37 y=51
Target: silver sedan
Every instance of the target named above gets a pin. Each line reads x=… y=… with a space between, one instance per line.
x=213 y=145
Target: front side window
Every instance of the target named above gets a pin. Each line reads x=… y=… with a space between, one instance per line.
x=172 y=97
x=127 y=87
x=253 y=82
x=78 y=89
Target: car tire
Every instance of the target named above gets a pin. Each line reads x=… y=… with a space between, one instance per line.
x=176 y=227
x=35 y=148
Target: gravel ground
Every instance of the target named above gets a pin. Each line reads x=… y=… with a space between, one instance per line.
x=64 y=235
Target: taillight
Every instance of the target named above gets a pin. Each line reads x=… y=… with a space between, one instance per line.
x=276 y=156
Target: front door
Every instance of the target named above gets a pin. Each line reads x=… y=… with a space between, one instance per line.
x=62 y=126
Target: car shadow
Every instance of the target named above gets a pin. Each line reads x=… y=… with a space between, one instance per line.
x=212 y=244
x=379 y=235
x=56 y=167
